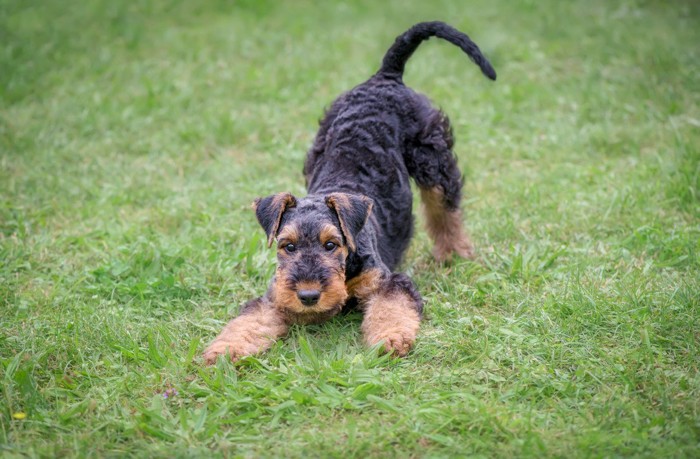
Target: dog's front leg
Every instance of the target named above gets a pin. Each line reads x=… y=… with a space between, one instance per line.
x=258 y=326
x=392 y=315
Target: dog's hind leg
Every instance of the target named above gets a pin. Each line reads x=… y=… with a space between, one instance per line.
x=432 y=164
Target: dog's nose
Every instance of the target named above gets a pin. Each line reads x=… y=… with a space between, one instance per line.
x=309 y=297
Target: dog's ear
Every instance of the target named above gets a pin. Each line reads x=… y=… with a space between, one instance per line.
x=269 y=211
x=353 y=211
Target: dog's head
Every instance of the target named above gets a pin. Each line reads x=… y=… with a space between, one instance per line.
x=314 y=236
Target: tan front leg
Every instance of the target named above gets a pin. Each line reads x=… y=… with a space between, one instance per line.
x=254 y=331
x=392 y=316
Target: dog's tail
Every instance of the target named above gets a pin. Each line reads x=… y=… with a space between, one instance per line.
x=405 y=44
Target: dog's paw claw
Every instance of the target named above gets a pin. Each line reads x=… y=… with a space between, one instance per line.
x=393 y=343
x=216 y=349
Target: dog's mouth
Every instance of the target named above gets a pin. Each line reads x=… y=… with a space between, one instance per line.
x=314 y=298
x=308 y=305
x=311 y=299
x=308 y=301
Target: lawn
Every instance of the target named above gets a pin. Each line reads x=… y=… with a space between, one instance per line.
x=135 y=135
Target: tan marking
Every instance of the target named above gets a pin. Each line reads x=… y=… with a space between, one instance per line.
x=312 y=317
x=333 y=296
x=393 y=319
x=330 y=233
x=342 y=253
x=365 y=284
x=335 y=293
x=250 y=333
x=289 y=235
x=444 y=227
x=281 y=295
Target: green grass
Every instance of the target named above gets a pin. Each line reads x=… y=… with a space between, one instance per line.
x=134 y=135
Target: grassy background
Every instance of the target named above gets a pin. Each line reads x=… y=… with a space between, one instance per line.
x=134 y=135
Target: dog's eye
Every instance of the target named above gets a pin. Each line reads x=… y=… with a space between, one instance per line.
x=290 y=248
x=329 y=246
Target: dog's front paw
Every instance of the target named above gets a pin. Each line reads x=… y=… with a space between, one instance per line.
x=220 y=347
x=396 y=341
x=236 y=346
x=254 y=331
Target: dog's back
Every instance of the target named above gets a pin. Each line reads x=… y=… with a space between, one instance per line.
x=375 y=136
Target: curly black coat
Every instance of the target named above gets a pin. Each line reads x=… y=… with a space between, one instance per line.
x=376 y=135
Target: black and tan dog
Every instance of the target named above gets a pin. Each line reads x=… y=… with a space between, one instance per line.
x=340 y=244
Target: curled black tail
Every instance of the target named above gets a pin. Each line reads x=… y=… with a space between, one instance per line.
x=405 y=44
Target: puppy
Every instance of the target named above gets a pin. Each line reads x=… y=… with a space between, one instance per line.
x=339 y=245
